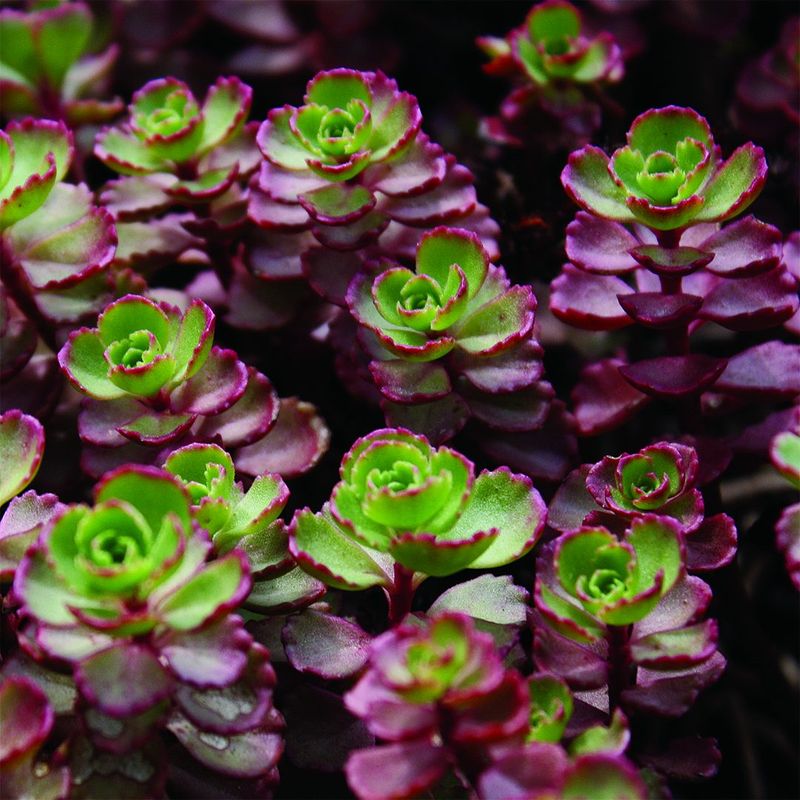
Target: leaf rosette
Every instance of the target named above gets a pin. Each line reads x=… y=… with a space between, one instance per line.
x=552 y=46
x=597 y=579
x=349 y=120
x=207 y=147
x=668 y=176
x=659 y=479
x=437 y=690
x=422 y=506
x=47 y=67
x=451 y=300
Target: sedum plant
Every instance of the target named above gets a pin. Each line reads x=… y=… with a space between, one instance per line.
x=122 y=593
x=452 y=338
x=350 y=171
x=652 y=253
x=246 y=520
x=669 y=174
x=417 y=678
x=154 y=379
x=403 y=507
x=49 y=67
x=56 y=243
x=605 y=604
x=558 y=65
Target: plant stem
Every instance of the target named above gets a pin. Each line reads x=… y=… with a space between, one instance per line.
x=401 y=594
x=620 y=669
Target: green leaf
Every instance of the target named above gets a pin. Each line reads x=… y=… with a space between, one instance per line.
x=497 y=322
x=443 y=247
x=153 y=492
x=393 y=127
x=589 y=184
x=551 y=708
x=156 y=427
x=264 y=500
x=225 y=110
x=206 y=469
x=267 y=549
x=21 y=452
x=601 y=739
x=62 y=39
x=735 y=185
x=567 y=618
x=194 y=340
x=785 y=454
x=294 y=589
x=553 y=21
x=323 y=549
x=18 y=51
x=83 y=361
x=204 y=594
x=134 y=313
x=602 y=777
x=662 y=129
x=127 y=154
x=440 y=554
x=508 y=503
x=144 y=380
x=658 y=547
x=277 y=142
x=337 y=203
x=490 y=598
x=336 y=88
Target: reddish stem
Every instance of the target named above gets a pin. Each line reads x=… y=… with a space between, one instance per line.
x=621 y=671
x=401 y=594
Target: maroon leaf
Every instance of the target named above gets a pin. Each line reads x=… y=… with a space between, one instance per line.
x=409 y=382
x=599 y=245
x=675 y=262
x=712 y=545
x=325 y=645
x=215 y=388
x=589 y=301
x=296 y=442
x=657 y=310
x=603 y=399
x=744 y=248
x=674 y=376
x=123 y=680
x=754 y=303
x=396 y=770
x=771 y=368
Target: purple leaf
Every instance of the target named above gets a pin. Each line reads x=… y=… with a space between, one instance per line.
x=409 y=382
x=438 y=420
x=583 y=667
x=671 y=694
x=671 y=261
x=572 y=502
x=248 y=419
x=523 y=410
x=686 y=759
x=325 y=645
x=215 y=655
x=295 y=443
x=274 y=255
x=746 y=304
x=528 y=771
x=744 y=248
x=395 y=771
x=329 y=272
x=674 y=376
x=603 y=399
x=771 y=368
x=269 y=213
x=215 y=388
x=453 y=198
x=657 y=310
x=125 y=679
x=600 y=246
x=712 y=545
x=589 y=301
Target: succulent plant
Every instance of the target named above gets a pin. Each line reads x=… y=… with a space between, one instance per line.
x=402 y=501
x=21 y=450
x=554 y=59
x=668 y=176
x=416 y=677
x=622 y=602
x=246 y=520
x=122 y=592
x=451 y=337
x=350 y=170
x=49 y=67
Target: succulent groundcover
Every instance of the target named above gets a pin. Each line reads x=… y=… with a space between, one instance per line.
x=399 y=400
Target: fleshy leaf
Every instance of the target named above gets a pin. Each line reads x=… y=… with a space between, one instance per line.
x=21 y=452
